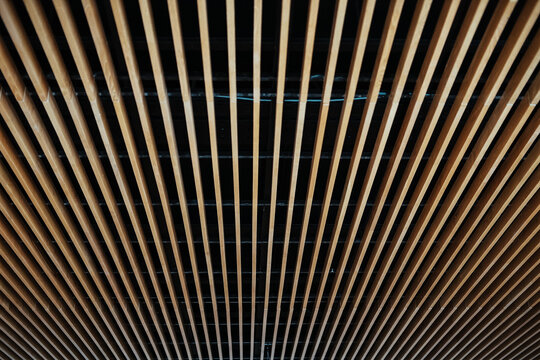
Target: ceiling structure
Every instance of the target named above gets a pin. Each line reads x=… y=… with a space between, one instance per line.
x=269 y=180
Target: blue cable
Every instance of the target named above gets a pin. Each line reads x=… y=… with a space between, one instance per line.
x=294 y=100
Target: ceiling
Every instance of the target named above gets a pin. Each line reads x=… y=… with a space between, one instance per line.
x=281 y=179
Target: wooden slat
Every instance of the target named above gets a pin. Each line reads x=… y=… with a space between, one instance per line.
x=210 y=109
x=256 y=60
x=231 y=52
x=282 y=60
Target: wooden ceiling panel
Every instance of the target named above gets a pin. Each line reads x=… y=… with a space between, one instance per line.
x=349 y=179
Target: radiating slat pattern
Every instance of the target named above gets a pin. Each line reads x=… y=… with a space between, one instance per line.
x=348 y=179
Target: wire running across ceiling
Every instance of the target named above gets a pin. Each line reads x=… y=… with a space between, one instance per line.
x=322 y=179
